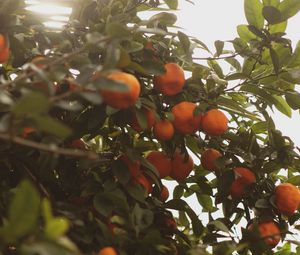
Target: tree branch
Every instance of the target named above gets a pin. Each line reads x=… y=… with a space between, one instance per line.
x=53 y=148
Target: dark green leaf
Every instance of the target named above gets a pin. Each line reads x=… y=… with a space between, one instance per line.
x=293 y=99
x=272 y=14
x=33 y=103
x=164 y=18
x=275 y=60
x=219 y=47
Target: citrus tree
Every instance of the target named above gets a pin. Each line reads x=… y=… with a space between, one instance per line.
x=95 y=116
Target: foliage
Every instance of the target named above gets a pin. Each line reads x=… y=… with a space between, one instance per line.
x=61 y=195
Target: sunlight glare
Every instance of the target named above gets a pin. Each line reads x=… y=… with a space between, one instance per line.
x=60 y=18
x=50 y=9
x=54 y=24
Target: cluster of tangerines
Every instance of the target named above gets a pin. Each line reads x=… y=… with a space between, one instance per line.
x=185 y=122
x=179 y=166
x=4 y=49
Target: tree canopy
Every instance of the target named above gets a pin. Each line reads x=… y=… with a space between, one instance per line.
x=95 y=117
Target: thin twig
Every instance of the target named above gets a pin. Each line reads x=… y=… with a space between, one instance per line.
x=53 y=148
x=57 y=61
x=217 y=58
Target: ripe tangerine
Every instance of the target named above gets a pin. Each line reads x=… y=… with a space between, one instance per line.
x=163 y=130
x=214 y=122
x=161 y=162
x=208 y=159
x=181 y=167
x=185 y=122
x=287 y=198
x=122 y=99
x=171 y=82
x=108 y=251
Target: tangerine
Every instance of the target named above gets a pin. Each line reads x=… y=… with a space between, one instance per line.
x=244 y=178
x=108 y=251
x=185 y=122
x=4 y=55
x=163 y=130
x=269 y=232
x=124 y=99
x=208 y=159
x=161 y=162
x=181 y=166
x=287 y=198
x=164 y=193
x=142 y=180
x=133 y=166
x=171 y=82
x=214 y=122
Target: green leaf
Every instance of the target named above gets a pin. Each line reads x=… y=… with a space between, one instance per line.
x=282 y=106
x=234 y=63
x=274 y=3
x=153 y=67
x=180 y=205
x=289 y=8
x=275 y=60
x=295 y=60
x=33 y=103
x=164 y=18
x=52 y=126
x=206 y=202
x=117 y=30
x=278 y=28
x=271 y=14
x=253 y=12
x=24 y=210
x=293 y=99
x=185 y=42
x=219 y=225
x=244 y=33
x=56 y=227
x=173 y=4
x=219 y=47
x=294 y=180
x=260 y=127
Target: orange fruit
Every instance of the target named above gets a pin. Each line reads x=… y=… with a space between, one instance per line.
x=181 y=167
x=185 y=122
x=133 y=166
x=39 y=61
x=2 y=42
x=142 y=180
x=244 y=178
x=27 y=131
x=150 y=117
x=269 y=232
x=122 y=99
x=171 y=82
x=4 y=55
x=214 y=122
x=164 y=193
x=170 y=224
x=161 y=162
x=287 y=198
x=208 y=159
x=163 y=130
x=77 y=144
x=108 y=251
